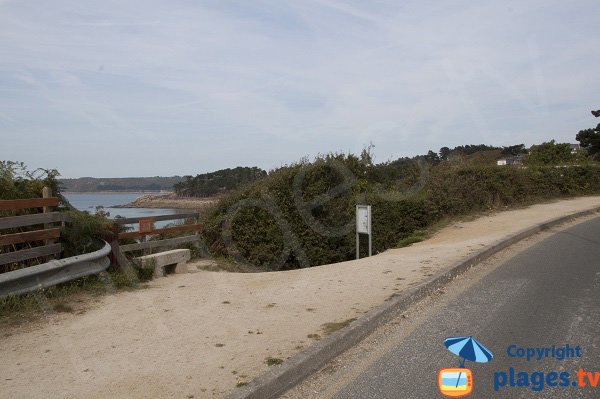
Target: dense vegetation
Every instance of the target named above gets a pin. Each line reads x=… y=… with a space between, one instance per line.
x=209 y=184
x=303 y=214
x=551 y=153
x=16 y=181
x=590 y=139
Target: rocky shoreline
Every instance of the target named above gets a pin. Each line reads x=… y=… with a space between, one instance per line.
x=171 y=201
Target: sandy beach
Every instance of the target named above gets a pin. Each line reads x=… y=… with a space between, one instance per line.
x=170 y=201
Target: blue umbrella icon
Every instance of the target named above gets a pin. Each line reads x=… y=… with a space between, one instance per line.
x=469 y=349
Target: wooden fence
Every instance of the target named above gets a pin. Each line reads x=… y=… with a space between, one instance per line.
x=146 y=228
x=32 y=235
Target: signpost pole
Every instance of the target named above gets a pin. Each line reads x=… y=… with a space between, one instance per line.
x=370 y=234
x=357 y=246
x=363 y=225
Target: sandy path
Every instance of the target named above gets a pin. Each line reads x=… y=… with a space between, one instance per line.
x=197 y=335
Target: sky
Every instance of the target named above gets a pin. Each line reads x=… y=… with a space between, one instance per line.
x=148 y=88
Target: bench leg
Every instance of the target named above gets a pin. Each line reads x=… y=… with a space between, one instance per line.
x=159 y=271
x=181 y=268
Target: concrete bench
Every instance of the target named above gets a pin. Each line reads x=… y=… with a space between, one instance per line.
x=167 y=262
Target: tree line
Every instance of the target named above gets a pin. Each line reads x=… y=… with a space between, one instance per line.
x=220 y=181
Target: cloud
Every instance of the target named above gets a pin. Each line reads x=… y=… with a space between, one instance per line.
x=221 y=84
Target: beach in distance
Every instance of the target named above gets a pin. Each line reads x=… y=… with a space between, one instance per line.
x=170 y=200
x=114 y=203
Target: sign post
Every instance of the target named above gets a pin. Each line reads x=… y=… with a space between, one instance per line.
x=146 y=225
x=363 y=226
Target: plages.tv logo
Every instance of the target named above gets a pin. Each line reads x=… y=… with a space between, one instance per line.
x=458 y=381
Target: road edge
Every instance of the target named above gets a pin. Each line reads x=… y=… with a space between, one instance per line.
x=279 y=379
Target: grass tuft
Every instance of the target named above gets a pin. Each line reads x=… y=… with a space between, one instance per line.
x=15 y=309
x=63 y=308
x=329 y=328
x=416 y=236
x=273 y=361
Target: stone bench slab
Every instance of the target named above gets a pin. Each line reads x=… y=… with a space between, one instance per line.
x=161 y=260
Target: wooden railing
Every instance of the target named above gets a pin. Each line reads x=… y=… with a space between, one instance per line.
x=38 y=231
x=34 y=235
x=146 y=228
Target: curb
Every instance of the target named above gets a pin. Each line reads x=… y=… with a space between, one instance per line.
x=294 y=370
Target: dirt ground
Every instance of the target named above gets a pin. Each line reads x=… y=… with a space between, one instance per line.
x=198 y=335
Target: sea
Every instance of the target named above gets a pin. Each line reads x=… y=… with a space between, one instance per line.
x=89 y=201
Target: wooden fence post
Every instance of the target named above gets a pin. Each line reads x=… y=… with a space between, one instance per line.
x=47 y=193
x=114 y=245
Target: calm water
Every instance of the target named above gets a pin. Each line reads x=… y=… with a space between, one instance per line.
x=89 y=202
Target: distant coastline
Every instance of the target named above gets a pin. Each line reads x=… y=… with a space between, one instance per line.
x=170 y=201
x=117 y=192
x=120 y=184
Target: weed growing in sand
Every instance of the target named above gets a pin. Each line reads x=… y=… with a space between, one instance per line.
x=63 y=308
x=272 y=361
x=15 y=308
x=329 y=328
x=416 y=236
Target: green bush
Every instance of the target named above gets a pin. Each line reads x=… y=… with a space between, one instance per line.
x=464 y=189
x=80 y=235
x=273 y=223
x=303 y=214
x=17 y=181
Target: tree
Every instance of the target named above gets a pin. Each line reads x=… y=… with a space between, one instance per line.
x=590 y=139
x=514 y=150
x=208 y=184
x=464 y=150
x=444 y=153
x=550 y=153
x=366 y=156
x=432 y=158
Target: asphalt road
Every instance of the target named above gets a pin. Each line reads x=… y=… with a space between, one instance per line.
x=547 y=295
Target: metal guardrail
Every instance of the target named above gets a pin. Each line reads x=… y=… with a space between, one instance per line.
x=54 y=272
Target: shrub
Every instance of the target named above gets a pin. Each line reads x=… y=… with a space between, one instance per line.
x=80 y=233
x=303 y=214
x=17 y=181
